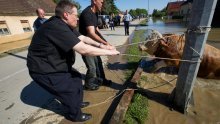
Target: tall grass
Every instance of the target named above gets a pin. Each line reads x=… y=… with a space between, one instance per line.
x=137 y=111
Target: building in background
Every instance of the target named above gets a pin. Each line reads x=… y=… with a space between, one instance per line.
x=185 y=10
x=173 y=9
x=17 y=18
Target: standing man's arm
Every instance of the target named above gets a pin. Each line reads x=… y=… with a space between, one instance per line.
x=92 y=34
x=130 y=17
x=89 y=50
x=90 y=41
x=100 y=35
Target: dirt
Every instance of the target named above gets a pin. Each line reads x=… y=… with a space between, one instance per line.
x=206 y=93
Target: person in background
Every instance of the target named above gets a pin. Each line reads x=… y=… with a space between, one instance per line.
x=118 y=17
x=106 y=22
x=40 y=19
x=111 y=22
x=51 y=55
x=127 y=18
x=88 y=26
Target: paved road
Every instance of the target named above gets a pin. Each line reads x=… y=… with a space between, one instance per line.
x=20 y=97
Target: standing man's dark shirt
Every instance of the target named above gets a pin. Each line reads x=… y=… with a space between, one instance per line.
x=88 y=18
x=51 y=48
x=95 y=73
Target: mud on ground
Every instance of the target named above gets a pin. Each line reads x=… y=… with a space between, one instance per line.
x=206 y=93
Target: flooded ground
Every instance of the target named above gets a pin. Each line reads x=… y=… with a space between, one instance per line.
x=158 y=87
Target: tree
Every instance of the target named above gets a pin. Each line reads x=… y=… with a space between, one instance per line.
x=158 y=13
x=109 y=7
x=138 y=12
x=132 y=12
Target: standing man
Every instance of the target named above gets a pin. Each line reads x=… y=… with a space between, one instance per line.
x=118 y=19
x=88 y=26
x=40 y=20
x=111 y=22
x=127 y=18
x=52 y=53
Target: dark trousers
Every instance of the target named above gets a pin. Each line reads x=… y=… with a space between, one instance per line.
x=94 y=68
x=112 y=25
x=67 y=88
x=126 y=25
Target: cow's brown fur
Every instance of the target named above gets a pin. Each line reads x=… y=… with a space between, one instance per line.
x=171 y=46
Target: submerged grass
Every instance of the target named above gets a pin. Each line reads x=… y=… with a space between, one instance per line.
x=138 y=109
x=139 y=36
x=143 y=22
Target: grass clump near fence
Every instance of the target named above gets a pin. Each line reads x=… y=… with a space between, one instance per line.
x=137 y=112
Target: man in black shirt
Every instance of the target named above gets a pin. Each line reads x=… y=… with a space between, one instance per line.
x=52 y=53
x=88 y=26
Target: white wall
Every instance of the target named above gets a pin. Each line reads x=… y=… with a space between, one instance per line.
x=16 y=29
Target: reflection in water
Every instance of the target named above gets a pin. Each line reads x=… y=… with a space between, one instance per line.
x=165 y=26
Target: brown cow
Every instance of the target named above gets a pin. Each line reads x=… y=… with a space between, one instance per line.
x=171 y=46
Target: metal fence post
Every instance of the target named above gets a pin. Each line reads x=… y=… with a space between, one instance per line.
x=196 y=36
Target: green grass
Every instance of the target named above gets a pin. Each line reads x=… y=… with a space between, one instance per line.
x=143 y=78
x=143 y=22
x=133 y=50
x=137 y=111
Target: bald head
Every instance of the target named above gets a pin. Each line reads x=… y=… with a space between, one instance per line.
x=40 y=13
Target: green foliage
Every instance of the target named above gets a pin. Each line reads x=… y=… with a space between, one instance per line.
x=133 y=50
x=109 y=7
x=158 y=13
x=138 y=111
x=138 y=12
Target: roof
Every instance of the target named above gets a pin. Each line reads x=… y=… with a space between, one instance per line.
x=25 y=7
x=174 y=5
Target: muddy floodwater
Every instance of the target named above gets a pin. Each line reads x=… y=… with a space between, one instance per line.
x=206 y=92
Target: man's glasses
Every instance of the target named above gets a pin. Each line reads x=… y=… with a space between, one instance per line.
x=71 y=13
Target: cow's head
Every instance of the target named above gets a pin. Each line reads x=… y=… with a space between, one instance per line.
x=155 y=39
x=152 y=43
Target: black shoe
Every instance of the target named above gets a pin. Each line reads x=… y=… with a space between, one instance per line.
x=82 y=118
x=84 y=104
x=107 y=82
x=91 y=86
